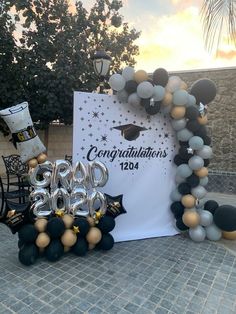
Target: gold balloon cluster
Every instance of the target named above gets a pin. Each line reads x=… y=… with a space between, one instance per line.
x=41 y=158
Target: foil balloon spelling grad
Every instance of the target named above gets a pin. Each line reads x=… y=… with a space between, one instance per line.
x=59 y=182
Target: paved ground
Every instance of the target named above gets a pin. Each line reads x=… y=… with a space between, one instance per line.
x=161 y=275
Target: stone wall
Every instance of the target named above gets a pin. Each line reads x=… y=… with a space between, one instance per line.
x=222 y=123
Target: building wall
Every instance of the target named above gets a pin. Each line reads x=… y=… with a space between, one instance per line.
x=221 y=113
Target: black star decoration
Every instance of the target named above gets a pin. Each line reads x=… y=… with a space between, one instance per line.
x=95 y=114
x=104 y=138
x=114 y=205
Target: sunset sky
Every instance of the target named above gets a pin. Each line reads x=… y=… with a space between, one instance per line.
x=172 y=35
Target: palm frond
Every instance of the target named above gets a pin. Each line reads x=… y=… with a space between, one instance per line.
x=218 y=16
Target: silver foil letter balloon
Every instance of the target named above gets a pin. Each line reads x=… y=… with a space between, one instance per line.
x=61 y=173
x=40 y=176
x=78 y=199
x=41 y=202
x=100 y=167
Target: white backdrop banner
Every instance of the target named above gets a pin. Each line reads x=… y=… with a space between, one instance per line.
x=138 y=150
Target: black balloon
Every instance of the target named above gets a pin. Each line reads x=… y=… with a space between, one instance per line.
x=180 y=225
x=177 y=209
x=114 y=205
x=28 y=254
x=184 y=153
x=184 y=188
x=191 y=113
x=206 y=162
x=211 y=206
x=207 y=140
x=145 y=102
x=106 y=224
x=193 y=180
x=83 y=226
x=131 y=86
x=204 y=90
x=193 y=125
x=54 y=251
x=81 y=247
x=106 y=242
x=20 y=244
x=160 y=77
x=55 y=227
x=153 y=109
x=28 y=233
x=201 y=132
x=225 y=217
x=179 y=161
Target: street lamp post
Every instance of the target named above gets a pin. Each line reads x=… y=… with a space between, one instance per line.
x=101 y=65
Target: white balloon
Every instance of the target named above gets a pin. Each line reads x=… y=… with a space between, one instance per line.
x=180 y=97
x=134 y=100
x=158 y=92
x=117 y=82
x=175 y=196
x=184 y=135
x=196 y=162
x=145 y=89
x=184 y=171
x=213 y=233
x=178 y=124
x=128 y=73
x=205 y=152
x=196 y=142
x=199 y=192
x=206 y=218
x=197 y=234
x=173 y=84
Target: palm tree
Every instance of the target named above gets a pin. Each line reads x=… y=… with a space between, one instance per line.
x=219 y=17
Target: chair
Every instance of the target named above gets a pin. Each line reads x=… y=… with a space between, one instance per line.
x=15 y=170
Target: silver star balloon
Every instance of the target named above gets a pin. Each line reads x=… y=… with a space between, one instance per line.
x=202 y=109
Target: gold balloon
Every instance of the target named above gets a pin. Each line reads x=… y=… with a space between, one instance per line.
x=229 y=235
x=40 y=224
x=42 y=158
x=178 y=112
x=94 y=235
x=202 y=172
x=68 y=220
x=183 y=85
x=91 y=246
x=42 y=240
x=202 y=120
x=191 y=218
x=68 y=238
x=91 y=221
x=140 y=76
x=167 y=100
x=32 y=163
x=188 y=201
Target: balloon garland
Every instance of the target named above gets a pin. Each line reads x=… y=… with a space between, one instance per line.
x=189 y=118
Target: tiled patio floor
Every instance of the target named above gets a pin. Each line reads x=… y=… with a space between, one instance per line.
x=161 y=275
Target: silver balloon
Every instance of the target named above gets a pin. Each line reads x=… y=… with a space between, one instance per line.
x=180 y=97
x=61 y=173
x=204 y=181
x=80 y=175
x=197 y=234
x=178 y=124
x=158 y=92
x=128 y=73
x=79 y=198
x=199 y=192
x=62 y=195
x=40 y=199
x=191 y=101
x=179 y=179
x=184 y=171
x=145 y=89
x=196 y=162
x=213 y=233
x=97 y=165
x=94 y=197
x=175 y=196
x=117 y=82
x=122 y=96
x=41 y=170
x=200 y=204
x=184 y=135
x=205 y=152
x=196 y=142
x=134 y=100
x=206 y=218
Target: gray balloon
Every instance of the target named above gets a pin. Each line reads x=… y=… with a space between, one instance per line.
x=205 y=152
x=184 y=135
x=178 y=124
x=122 y=96
x=183 y=171
x=196 y=162
x=134 y=100
x=199 y=192
x=179 y=179
x=213 y=233
x=195 y=142
x=180 y=97
x=175 y=196
x=204 y=181
x=197 y=234
x=206 y=218
x=191 y=101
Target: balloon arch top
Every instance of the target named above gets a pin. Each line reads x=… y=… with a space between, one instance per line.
x=188 y=111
